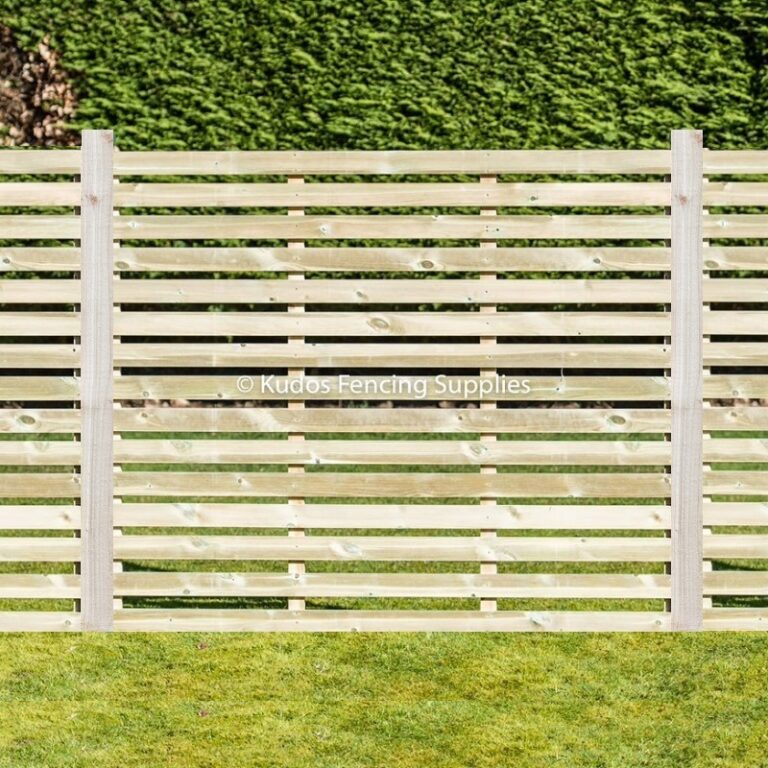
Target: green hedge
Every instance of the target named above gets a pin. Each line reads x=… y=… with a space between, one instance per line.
x=322 y=74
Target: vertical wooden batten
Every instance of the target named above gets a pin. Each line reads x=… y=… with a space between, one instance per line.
x=488 y=604
x=687 y=380
x=96 y=381
x=297 y=568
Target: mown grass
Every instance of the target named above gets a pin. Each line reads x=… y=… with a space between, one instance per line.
x=372 y=700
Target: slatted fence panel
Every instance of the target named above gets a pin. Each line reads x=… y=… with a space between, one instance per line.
x=420 y=509
x=736 y=449
x=397 y=502
x=39 y=358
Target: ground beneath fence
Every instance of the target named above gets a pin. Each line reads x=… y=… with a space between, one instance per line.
x=372 y=700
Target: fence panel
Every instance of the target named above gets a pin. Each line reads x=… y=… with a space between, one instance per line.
x=40 y=514
x=402 y=524
x=300 y=438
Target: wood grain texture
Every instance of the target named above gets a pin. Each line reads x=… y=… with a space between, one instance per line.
x=392 y=291
x=96 y=366
x=201 y=620
x=616 y=258
x=386 y=162
x=687 y=380
x=384 y=485
x=204 y=464
x=385 y=548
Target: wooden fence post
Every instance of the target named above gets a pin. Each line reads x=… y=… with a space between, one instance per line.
x=96 y=381
x=687 y=381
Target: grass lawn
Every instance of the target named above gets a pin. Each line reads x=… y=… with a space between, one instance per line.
x=373 y=700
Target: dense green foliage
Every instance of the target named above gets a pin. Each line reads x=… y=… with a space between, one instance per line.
x=320 y=74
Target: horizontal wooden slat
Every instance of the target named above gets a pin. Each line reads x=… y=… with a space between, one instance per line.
x=40 y=227
x=527 y=194
x=579 y=161
x=383 y=485
x=734 y=193
x=422 y=260
x=374 y=420
x=426 y=452
x=39 y=517
x=384 y=420
x=360 y=355
x=40 y=586
x=736 y=583
x=275 y=195
x=393 y=516
x=39 y=356
x=132 y=584
x=40 y=324
x=401 y=452
x=736 y=161
x=384 y=227
x=39 y=259
x=386 y=162
x=747 y=418
x=39 y=621
x=361 y=548
x=39 y=388
x=42 y=161
x=745 y=546
x=31 y=549
x=737 y=483
x=387 y=548
x=736 y=619
x=354 y=291
x=332 y=195
x=39 y=421
x=392 y=227
x=202 y=620
x=739 y=450
x=542 y=389
x=39 y=193
x=384 y=324
x=39 y=485
x=373 y=324
x=736 y=513
x=741 y=353
x=329 y=388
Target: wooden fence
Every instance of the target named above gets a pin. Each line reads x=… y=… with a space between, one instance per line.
x=268 y=418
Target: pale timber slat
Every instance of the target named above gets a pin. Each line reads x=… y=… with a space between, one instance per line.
x=375 y=585
x=579 y=161
x=384 y=485
x=200 y=620
x=395 y=517
x=39 y=517
x=39 y=621
x=386 y=324
x=375 y=420
x=573 y=388
x=354 y=291
x=381 y=548
x=423 y=260
x=383 y=227
x=529 y=195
